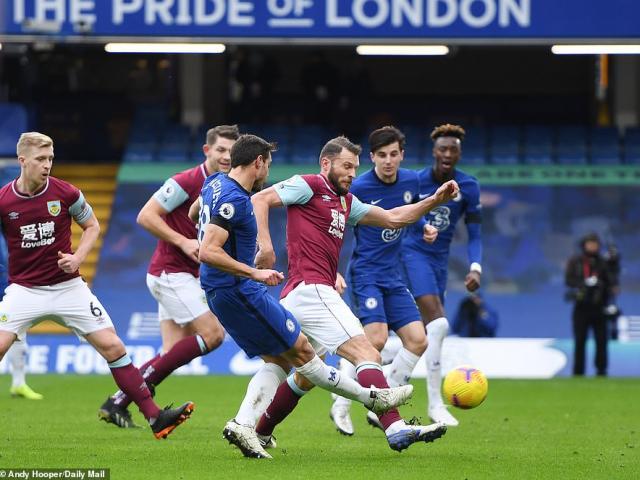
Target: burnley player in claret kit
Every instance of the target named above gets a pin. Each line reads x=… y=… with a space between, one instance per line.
x=36 y=211
x=187 y=326
x=319 y=207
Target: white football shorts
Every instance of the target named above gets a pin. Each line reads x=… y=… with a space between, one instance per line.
x=179 y=295
x=71 y=303
x=324 y=317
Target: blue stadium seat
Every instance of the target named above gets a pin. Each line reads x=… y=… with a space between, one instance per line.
x=505 y=145
x=605 y=146
x=537 y=145
x=571 y=145
x=632 y=146
x=139 y=152
x=474 y=147
x=13 y=121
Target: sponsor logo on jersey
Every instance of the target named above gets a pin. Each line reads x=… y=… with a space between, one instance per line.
x=391 y=234
x=227 y=210
x=439 y=217
x=13 y=215
x=54 y=207
x=407 y=196
x=371 y=303
x=375 y=202
x=326 y=198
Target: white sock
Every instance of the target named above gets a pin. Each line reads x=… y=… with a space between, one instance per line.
x=399 y=371
x=328 y=378
x=436 y=331
x=395 y=427
x=391 y=348
x=17 y=358
x=347 y=369
x=260 y=391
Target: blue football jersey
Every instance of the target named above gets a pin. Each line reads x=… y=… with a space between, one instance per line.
x=227 y=204
x=444 y=217
x=377 y=250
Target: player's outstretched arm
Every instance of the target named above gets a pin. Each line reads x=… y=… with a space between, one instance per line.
x=151 y=218
x=212 y=253
x=262 y=202
x=400 y=217
x=70 y=262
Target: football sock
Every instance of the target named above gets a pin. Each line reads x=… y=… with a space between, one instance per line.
x=328 y=378
x=17 y=358
x=180 y=354
x=391 y=348
x=260 y=392
x=370 y=373
x=399 y=371
x=436 y=331
x=287 y=396
x=130 y=381
x=347 y=370
x=120 y=396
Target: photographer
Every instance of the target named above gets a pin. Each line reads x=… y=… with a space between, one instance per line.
x=592 y=285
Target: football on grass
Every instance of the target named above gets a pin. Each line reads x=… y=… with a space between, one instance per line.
x=465 y=387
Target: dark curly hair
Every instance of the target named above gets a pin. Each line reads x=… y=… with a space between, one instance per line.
x=448 y=130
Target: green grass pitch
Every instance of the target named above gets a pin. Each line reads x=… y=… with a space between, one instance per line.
x=562 y=428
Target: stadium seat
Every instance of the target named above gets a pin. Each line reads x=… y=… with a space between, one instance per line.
x=474 y=148
x=605 y=146
x=505 y=145
x=13 y=121
x=537 y=145
x=632 y=146
x=571 y=145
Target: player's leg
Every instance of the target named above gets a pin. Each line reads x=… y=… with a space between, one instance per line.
x=190 y=331
x=84 y=313
x=130 y=381
x=427 y=284
x=261 y=389
x=404 y=318
x=368 y=305
x=18 y=308
x=17 y=358
x=311 y=371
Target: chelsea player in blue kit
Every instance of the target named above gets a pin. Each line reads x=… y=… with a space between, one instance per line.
x=380 y=298
x=237 y=295
x=426 y=265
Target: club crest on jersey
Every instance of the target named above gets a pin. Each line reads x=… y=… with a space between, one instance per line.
x=343 y=202
x=407 y=196
x=391 y=234
x=227 y=210
x=290 y=325
x=13 y=215
x=54 y=207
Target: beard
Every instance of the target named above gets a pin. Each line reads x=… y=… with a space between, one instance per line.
x=334 y=180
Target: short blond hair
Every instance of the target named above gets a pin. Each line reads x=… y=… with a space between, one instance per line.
x=32 y=139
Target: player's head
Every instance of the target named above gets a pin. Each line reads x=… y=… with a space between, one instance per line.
x=386 y=147
x=35 y=154
x=447 y=147
x=254 y=153
x=217 y=150
x=339 y=160
x=590 y=244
